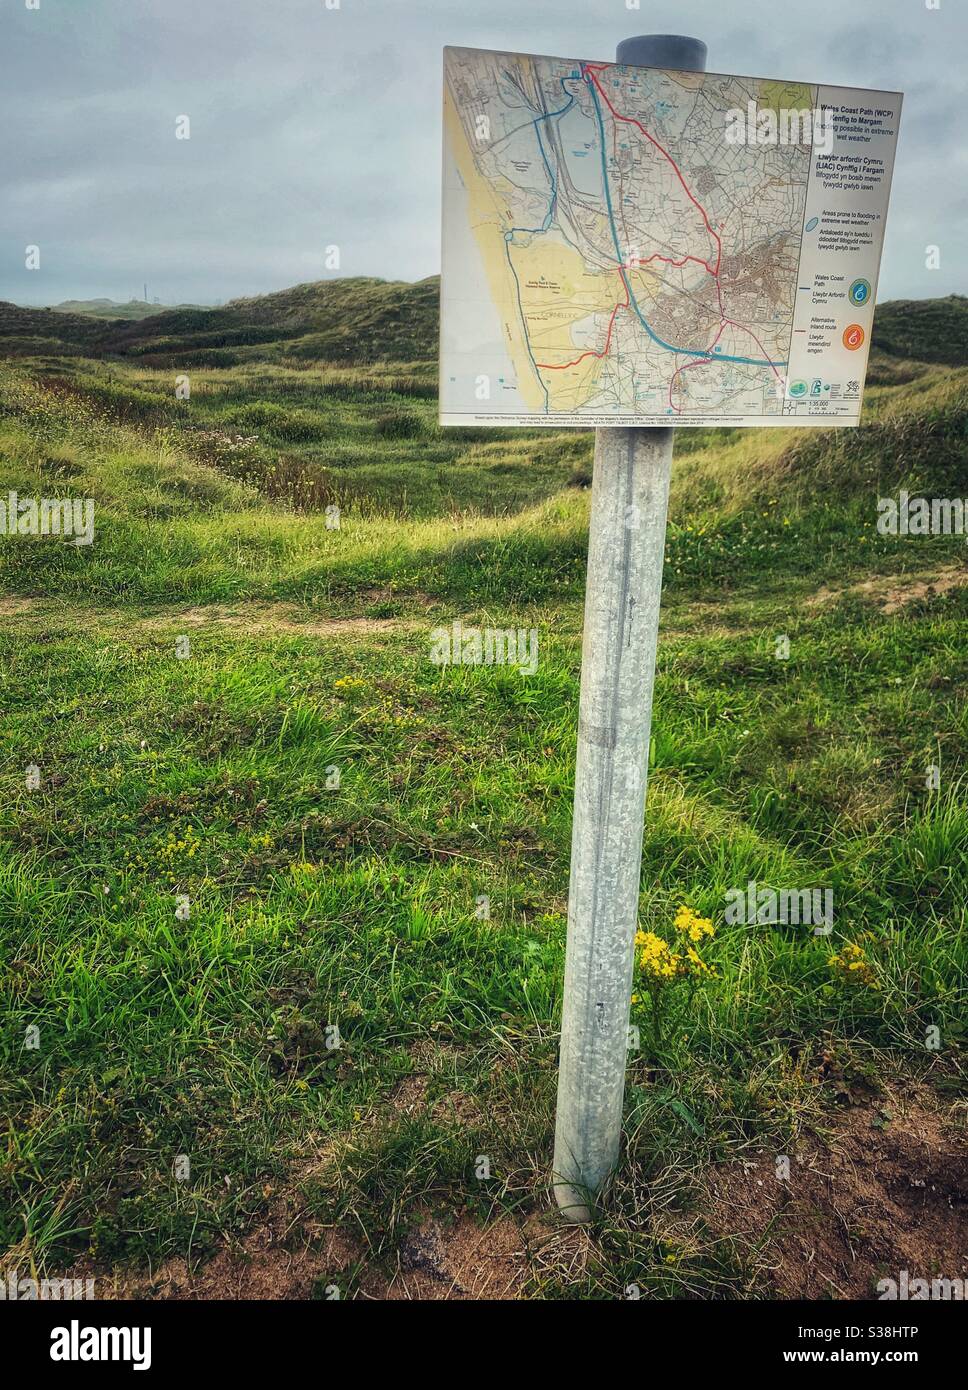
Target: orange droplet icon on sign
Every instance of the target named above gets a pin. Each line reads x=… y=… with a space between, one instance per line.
x=853 y=337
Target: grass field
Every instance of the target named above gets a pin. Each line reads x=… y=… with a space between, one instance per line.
x=334 y=806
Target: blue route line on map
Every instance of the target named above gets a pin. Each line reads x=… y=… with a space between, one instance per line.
x=700 y=353
x=689 y=352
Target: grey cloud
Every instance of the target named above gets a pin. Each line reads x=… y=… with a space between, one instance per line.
x=312 y=126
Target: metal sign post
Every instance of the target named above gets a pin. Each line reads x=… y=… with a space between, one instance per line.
x=626 y=546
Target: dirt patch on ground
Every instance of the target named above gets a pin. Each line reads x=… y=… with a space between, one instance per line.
x=886 y=1191
x=270 y=618
x=892 y=592
x=12 y=606
x=262 y=1266
x=883 y=1189
x=255 y=618
x=461 y=1261
x=439 y=1259
x=290 y=1255
x=432 y=1064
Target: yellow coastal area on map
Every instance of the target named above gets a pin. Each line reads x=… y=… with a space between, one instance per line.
x=567 y=305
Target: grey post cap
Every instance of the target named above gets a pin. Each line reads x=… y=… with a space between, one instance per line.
x=663 y=51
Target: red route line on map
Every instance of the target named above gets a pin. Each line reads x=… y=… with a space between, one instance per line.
x=560 y=366
x=592 y=68
x=704 y=361
x=637 y=260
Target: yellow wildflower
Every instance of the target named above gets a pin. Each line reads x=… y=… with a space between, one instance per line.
x=657 y=958
x=851 y=963
x=692 y=925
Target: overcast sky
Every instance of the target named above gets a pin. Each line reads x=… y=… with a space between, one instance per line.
x=313 y=126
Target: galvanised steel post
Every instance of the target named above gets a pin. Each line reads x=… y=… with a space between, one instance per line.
x=626 y=545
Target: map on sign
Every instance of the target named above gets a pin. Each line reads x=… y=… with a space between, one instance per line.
x=631 y=246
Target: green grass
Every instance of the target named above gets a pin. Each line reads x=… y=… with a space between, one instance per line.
x=112 y=309
x=934 y=330
x=359 y=319
x=314 y=905
x=351 y=319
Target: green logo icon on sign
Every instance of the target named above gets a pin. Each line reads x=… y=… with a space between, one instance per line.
x=860 y=292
